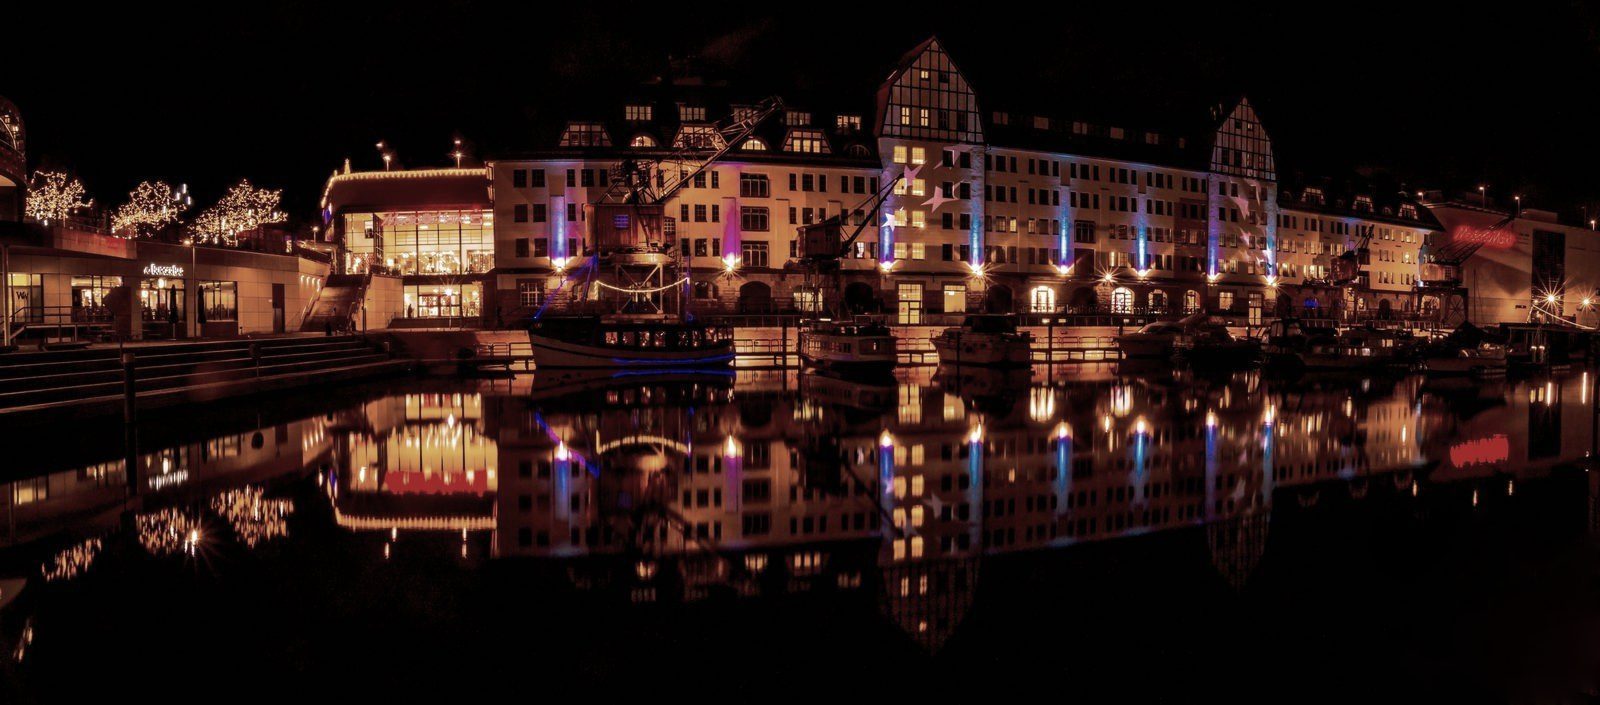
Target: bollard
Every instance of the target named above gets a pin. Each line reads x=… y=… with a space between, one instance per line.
x=130 y=393
x=255 y=357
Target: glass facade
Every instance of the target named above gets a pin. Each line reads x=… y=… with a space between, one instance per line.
x=463 y=300
x=419 y=242
x=161 y=300
x=219 y=301
x=25 y=296
x=89 y=294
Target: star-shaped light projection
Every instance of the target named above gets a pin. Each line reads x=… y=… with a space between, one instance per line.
x=938 y=199
x=936 y=504
x=911 y=173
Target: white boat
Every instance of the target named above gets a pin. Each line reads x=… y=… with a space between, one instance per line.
x=628 y=342
x=985 y=340
x=862 y=345
x=1487 y=359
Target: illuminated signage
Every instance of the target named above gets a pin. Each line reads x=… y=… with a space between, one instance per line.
x=163 y=270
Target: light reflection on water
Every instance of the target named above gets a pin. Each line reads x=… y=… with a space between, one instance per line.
x=669 y=491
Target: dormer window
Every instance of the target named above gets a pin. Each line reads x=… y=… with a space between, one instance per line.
x=1117 y=133
x=754 y=144
x=638 y=113
x=1041 y=123
x=1363 y=204
x=1002 y=118
x=698 y=137
x=806 y=142
x=585 y=134
x=1080 y=128
x=691 y=113
x=1314 y=196
x=796 y=118
x=1152 y=138
x=848 y=123
x=1408 y=210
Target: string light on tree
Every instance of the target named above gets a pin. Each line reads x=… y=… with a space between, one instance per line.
x=54 y=196
x=242 y=209
x=151 y=207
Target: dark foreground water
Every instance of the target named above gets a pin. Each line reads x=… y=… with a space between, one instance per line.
x=1094 y=535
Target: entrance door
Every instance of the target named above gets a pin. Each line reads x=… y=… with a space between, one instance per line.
x=910 y=296
x=278 y=323
x=1255 y=308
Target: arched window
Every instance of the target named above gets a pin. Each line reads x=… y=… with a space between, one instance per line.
x=705 y=290
x=1191 y=301
x=642 y=141
x=1042 y=300
x=1121 y=300
x=1158 y=301
x=856 y=150
x=754 y=144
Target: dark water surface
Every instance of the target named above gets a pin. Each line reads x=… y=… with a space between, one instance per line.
x=1092 y=534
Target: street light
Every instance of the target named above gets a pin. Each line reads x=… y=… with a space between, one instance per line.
x=1483 y=196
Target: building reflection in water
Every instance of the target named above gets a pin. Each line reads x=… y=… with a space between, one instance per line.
x=678 y=490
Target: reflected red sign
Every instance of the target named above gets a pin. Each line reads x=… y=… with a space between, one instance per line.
x=1480 y=451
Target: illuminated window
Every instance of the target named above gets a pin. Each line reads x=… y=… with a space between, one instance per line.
x=698 y=137
x=689 y=113
x=806 y=142
x=642 y=141
x=585 y=134
x=754 y=144
x=637 y=113
x=848 y=123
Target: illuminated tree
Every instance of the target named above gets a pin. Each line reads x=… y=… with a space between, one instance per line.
x=151 y=206
x=54 y=195
x=242 y=209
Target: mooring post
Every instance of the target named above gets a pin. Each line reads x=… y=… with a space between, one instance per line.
x=130 y=393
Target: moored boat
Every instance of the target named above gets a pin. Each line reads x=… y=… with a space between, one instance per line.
x=985 y=340
x=1486 y=359
x=628 y=342
x=1212 y=345
x=1349 y=349
x=860 y=345
x=1154 y=340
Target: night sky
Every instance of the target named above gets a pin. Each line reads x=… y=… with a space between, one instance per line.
x=282 y=92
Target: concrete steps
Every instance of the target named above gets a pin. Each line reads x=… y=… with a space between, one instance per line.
x=35 y=378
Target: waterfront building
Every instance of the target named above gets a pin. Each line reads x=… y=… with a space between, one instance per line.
x=997 y=209
x=73 y=280
x=1504 y=262
x=427 y=234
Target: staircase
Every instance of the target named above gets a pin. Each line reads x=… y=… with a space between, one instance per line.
x=170 y=373
x=339 y=299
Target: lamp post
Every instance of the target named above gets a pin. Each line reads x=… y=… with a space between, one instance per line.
x=1483 y=196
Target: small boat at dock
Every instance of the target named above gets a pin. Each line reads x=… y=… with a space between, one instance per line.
x=985 y=340
x=863 y=344
x=628 y=342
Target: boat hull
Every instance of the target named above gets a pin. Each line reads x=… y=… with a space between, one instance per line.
x=553 y=353
x=981 y=352
x=1138 y=346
